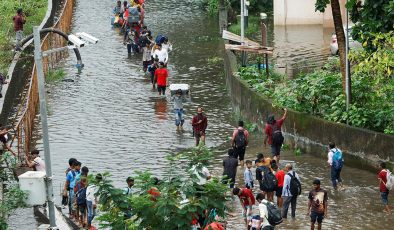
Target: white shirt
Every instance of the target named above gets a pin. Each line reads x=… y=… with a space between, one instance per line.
x=146 y=55
x=202 y=175
x=286 y=184
x=264 y=213
x=90 y=191
x=39 y=164
x=167 y=47
x=330 y=155
x=162 y=55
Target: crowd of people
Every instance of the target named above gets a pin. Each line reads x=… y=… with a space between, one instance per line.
x=268 y=185
x=139 y=39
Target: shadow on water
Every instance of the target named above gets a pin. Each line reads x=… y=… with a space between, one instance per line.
x=110 y=119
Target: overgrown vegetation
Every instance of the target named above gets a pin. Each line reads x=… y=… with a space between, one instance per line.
x=34 y=11
x=55 y=75
x=12 y=197
x=180 y=201
x=320 y=92
x=253 y=26
x=256 y=6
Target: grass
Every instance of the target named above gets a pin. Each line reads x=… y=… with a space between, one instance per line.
x=253 y=26
x=34 y=10
x=55 y=75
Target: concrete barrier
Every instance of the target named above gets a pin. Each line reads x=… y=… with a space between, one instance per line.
x=362 y=148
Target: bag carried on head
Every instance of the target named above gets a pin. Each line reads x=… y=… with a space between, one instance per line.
x=134 y=15
x=274 y=214
x=269 y=183
x=160 y=39
x=277 y=136
x=390 y=180
x=240 y=139
x=337 y=159
x=295 y=185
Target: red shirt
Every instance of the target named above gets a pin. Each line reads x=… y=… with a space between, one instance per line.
x=268 y=129
x=245 y=194
x=18 y=22
x=201 y=126
x=383 y=175
x=161 y=76
x=280 y=177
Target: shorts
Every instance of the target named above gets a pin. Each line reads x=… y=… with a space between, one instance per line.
x=161 y=89
x=197 y=134
x=278 y=192
x=317 y=217
x=240 y=153
x=145 y=65
x=384 y=196
x=275 y=150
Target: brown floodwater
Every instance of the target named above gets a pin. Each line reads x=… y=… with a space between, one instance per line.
x=110 y=119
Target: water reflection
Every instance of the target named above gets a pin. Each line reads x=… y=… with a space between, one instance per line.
x=161 y=108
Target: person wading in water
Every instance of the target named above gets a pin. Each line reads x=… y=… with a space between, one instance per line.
x=199 y=123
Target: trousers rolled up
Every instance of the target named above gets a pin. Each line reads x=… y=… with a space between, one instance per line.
x=335 y=176
x=287 y=201
x=179 y=120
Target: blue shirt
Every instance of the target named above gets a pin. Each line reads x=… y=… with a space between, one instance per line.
x=286 y=184
x=72 y=178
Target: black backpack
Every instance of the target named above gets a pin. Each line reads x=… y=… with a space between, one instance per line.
x=240 y=139
x=274 y=214
x=295 y=185
x=81 y=195
x=277 y=137
x=269 y=183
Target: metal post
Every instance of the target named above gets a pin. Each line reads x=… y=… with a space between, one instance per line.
x=348 y=82
x=43 y=115
x=243 y=53
x=246 y=13
x=264 y=38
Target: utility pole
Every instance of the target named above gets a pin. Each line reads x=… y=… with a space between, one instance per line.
x=44 y=124
x=243 y=53
x=348 y=79
x=264 y=38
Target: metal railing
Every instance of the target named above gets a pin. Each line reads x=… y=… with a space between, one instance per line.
x=25 y=125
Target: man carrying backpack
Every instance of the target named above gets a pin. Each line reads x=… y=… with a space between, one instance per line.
x=265 y=177
x=335 y=161
x=80 y=195
x=273 y=134
x=269 y=213
x=291 y=190
x=384 y=190
x=239 y=141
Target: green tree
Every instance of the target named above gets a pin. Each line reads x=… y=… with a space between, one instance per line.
x=180 y=199
x=336 y=15
x=371 y=17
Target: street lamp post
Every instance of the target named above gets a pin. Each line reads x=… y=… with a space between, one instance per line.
x=243 y=53
x=348 y=79
x=44 y=124
x=263 y=16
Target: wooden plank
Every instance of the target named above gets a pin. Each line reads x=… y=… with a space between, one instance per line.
x=234 y=37
x=251 y=49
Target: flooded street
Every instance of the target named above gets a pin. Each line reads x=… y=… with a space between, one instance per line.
x=110 y=119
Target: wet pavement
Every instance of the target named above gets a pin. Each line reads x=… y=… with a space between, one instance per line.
x=111 y=120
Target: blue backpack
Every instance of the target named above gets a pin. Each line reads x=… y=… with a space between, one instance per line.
x=337 y=159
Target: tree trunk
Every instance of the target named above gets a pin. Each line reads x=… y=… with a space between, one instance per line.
x=337 y=16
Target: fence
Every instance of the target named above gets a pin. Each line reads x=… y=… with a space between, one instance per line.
x=25 y=125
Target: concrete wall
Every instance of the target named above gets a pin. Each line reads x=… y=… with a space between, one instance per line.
x=362 y=148
x=301 y=12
